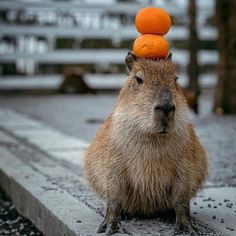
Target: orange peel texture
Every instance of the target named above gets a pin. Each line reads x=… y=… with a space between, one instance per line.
x=152 y=20
x=151 y=46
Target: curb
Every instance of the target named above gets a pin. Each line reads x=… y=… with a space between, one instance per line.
x=40 y=201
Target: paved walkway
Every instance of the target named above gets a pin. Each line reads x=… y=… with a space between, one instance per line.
x=40 y=169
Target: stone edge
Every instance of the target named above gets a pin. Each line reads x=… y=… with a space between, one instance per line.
x=41 y=205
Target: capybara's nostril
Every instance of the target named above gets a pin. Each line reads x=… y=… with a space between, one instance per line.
x=165 y=108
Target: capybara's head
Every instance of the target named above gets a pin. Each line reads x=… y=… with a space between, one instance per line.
x=151 y=100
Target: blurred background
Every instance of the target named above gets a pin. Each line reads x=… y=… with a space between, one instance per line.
x=52 y=51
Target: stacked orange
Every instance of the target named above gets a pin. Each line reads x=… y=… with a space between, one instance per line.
x=152 y=23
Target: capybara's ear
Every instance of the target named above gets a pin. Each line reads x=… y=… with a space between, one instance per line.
x=129 y=60
x=169 y=57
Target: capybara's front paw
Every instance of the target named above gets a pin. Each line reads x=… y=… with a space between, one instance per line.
x=110 y=227
x=102 y=228
x=187 y=227
x=113 y=228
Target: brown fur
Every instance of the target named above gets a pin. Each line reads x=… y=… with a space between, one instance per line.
x=138 y=170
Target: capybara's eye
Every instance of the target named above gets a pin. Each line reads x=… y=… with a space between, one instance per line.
x=176 y=78
x=138 y=79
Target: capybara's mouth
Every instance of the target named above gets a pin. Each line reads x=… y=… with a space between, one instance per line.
x=163 y=132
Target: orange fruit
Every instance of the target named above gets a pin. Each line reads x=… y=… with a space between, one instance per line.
x=151 y=46
x=152 y=20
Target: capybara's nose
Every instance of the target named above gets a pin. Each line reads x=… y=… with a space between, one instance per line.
x=166 y=108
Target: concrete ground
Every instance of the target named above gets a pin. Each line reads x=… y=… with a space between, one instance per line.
x=72 y=117
x=11 y=223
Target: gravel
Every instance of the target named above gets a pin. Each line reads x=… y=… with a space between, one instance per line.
x=11 y=223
